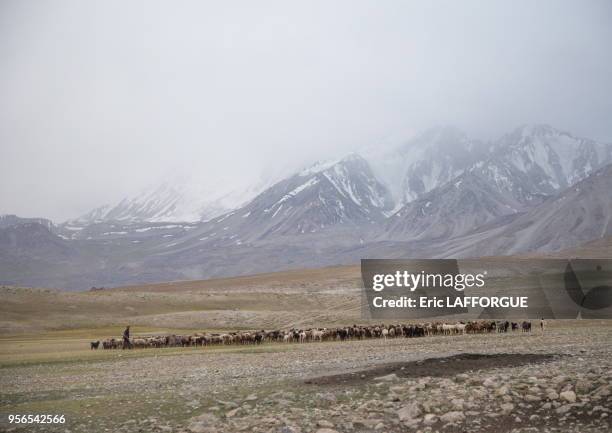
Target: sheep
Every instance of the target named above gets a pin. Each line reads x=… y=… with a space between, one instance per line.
x=315 y=334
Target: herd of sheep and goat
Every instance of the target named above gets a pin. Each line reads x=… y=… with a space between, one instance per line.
x=354 y=332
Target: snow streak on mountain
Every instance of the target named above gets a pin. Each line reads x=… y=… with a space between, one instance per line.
x=521 y=170
x=426 y=162
x=180 y=198
x=524 y=167
x=438 y=195
x=343 y=192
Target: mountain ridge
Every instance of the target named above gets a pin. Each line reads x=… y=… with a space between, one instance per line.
x=537 y=159
x=339 y=211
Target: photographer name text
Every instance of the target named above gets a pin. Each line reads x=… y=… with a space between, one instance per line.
x=451 y=302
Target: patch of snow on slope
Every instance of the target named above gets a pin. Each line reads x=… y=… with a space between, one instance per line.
x=310 y=182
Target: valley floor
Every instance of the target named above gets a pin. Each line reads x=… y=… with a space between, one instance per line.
x=557 y=381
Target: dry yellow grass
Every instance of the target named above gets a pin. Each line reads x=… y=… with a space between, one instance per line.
x=308 y=297
x=309 y=279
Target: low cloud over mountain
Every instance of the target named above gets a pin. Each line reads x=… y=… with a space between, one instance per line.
x=441 y=194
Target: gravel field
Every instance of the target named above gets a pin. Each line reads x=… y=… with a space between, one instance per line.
x=563 y=383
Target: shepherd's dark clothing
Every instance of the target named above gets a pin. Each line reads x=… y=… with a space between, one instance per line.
x=126 y=338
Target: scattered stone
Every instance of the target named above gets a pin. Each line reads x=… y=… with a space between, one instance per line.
x=409 y=412
x=602 y=391
x=569 y=396
x=398 y=388
x=507 y=408
x=430 y=419
x=453 y=416
x=327 y=396
x=502 y=390
x=532 y=398
x=457 y=403
x=388 y=378
x=489 y=383
x=232 y=413
x=563 y=409
x=583 y=386
x=552 y=395
x=462 y=377
x=204 y=423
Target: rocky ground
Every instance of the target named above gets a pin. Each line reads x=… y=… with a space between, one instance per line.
x=557 y=381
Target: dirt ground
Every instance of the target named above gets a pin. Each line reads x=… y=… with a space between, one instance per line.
x=557 y=381
x=435 y=367
x=312 y=297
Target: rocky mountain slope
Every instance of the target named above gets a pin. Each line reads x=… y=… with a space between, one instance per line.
x=536 y=161
x=523 y=169
x=579 y=214
x=342 y=193
x=14 y=220
x=470 y=201
x=426 y=162
x=451 y=210
x=527 y=164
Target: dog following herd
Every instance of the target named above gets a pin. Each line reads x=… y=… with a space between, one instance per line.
x=355 y=332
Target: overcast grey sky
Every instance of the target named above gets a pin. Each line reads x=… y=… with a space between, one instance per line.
x=100 y=98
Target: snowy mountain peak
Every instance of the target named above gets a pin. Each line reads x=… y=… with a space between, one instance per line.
x=353 y=178
x=179 y=198
x=451 y=210
x=427 y=161
x=553 y=159
x=340 y=192
x=525 y=165
x=320 y=166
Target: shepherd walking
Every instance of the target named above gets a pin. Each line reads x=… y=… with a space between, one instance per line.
x=126 y=338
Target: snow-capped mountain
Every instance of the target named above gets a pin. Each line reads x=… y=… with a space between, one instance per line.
x=181 y=198
x=451 y=210
x=457 y=197
x=536 y=161
x=343 y=192
x=426 y=162
x=554 y=159
x=32 y=255
x=523 y=169
x=578 y=214
x=528 y=164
